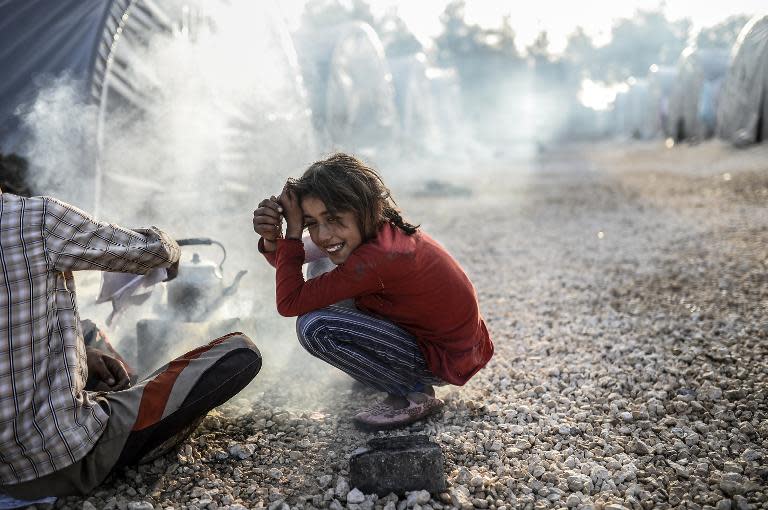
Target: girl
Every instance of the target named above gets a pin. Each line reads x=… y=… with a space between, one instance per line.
x=415 y=322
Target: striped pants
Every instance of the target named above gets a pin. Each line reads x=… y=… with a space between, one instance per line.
x=374 y=351
x=157 y=412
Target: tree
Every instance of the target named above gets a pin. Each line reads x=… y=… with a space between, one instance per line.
x=506 y=38
x=538 y=50
x=579 y=49
x=461 y=42
x=637 y=43
x=397 y=38
x=456 y=37
x=326 y=13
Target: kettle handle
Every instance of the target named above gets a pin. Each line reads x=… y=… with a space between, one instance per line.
x=207 y=241
x=191 y=241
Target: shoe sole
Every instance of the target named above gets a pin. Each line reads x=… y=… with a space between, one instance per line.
x=369 y=427
x=172 y=442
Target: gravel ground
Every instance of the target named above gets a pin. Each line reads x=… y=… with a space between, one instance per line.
x=626 y=291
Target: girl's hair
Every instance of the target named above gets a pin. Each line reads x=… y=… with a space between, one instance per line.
x=344 y=183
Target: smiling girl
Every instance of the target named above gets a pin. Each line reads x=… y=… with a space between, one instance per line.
x=415 y=323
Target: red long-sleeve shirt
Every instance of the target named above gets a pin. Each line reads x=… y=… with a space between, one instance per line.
x=409 y=280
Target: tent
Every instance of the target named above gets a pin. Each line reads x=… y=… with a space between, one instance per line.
x=350 y=85
x=40 y=40
x=158 y=100
x=415 y=105
x=451 y=130
x=661 y=82
x=693 y=104
x=633 y=117
x=204 y=91
x=742 y=115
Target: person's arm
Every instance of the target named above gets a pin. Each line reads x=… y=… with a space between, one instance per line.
x=295 y=296
x=270 y=256
x=75 y=241
x=358 y=276
x=268 y=224
x=311 y=251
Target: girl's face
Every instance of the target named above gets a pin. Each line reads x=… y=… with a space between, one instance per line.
x=336 y=234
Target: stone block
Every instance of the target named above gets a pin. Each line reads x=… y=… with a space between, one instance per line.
x=398 y=464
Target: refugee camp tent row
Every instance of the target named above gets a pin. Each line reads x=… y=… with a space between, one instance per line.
x=742 y=116
x=40 y=41
x=694 y=99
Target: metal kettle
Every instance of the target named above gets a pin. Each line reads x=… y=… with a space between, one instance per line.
x=199 y=290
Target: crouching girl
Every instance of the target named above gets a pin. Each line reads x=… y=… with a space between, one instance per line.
x=415 y=323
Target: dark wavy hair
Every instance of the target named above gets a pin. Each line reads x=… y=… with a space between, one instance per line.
x=344 y=183
x=14 y=175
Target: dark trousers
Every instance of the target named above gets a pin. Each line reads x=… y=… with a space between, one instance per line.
x=155 y=414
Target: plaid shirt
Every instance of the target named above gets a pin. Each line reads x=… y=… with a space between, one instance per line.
x=47 y=420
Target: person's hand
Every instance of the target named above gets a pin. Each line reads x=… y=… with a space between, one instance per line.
x=105 y=372
x=294 y=217
x=171 y=271
x=267 y=221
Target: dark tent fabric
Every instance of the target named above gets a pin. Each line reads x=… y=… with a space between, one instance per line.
x=45 y=39
x=742 y=115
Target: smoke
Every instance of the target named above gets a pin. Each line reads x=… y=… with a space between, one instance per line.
x=221 y=112
x=61 y=127
x=197 y=125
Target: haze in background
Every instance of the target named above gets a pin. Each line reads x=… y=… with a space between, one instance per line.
x=559 y=18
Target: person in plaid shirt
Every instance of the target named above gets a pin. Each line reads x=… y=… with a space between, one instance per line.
x=56 y=437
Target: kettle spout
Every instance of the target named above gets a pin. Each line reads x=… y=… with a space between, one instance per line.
x=235 y=284
x=226 y=293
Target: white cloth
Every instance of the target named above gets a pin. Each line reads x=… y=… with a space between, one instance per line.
x=124 y=289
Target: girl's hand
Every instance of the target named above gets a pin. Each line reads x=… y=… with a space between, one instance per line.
x=266 y=219
x=294 y=217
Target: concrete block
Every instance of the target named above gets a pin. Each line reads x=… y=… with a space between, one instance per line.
x=398 y=464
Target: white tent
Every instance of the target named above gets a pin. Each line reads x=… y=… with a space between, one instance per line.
x=415 y=102
x=350 y=86
x=693 y=105
x=634 y=117
x=742 y=115
x=661 y=81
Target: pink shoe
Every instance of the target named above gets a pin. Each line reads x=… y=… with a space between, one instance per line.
x=420 y=405
x=374 y=410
